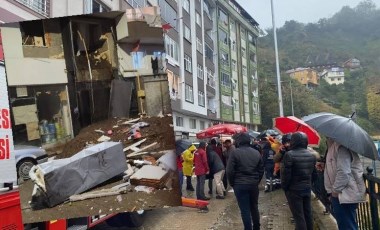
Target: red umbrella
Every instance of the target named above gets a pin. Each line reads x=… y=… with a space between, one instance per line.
x=293 y=124
x=227 y=129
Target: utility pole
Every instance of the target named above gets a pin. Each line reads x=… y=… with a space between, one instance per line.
x=291 y=97
x=277 y=64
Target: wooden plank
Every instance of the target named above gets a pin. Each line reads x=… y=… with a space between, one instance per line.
x=130 y=121
x=142 y=149
x=134 y=145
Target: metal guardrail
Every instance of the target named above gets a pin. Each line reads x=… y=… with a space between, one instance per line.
x=368 y=212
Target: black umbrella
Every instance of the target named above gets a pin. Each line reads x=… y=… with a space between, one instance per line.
x=344 y=131
x=182 y=145
x=253 y=134
x=268 y=132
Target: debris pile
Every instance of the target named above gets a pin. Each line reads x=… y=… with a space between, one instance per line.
x=158 y=129
x=148 y=147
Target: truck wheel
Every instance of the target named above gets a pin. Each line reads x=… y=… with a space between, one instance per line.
x=23 y=168
x=131 y=220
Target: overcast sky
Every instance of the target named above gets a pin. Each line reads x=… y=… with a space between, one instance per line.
x=299 y=10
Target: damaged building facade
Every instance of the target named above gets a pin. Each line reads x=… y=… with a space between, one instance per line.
x=66 y=73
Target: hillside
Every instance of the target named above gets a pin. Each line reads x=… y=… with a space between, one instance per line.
x=351 y=32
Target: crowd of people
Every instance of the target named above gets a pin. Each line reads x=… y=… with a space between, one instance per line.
x=239 y=164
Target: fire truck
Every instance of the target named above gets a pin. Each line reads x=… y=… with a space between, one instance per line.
x=10 y=206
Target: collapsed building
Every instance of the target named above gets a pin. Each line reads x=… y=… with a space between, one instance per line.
x=67 y=73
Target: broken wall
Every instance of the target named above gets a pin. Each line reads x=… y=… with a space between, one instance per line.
x=93 y=49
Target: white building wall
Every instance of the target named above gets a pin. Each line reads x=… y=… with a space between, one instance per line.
x=34 y=71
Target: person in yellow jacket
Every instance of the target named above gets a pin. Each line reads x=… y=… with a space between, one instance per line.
x=188 y=163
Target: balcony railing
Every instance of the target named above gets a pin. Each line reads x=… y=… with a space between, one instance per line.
x=41 y=7
x=368 y=212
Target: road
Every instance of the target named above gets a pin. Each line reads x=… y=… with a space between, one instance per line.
x=222 y=215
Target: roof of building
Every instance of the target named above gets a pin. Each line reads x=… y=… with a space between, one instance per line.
x=244 y=13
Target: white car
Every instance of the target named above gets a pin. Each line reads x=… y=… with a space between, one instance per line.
x=26 y=157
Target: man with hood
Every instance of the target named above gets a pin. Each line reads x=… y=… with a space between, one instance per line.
x=244 y=172
x=298 y=166
x=217 y=170
x=343 y=179
x=201 y=170
x=188 y=163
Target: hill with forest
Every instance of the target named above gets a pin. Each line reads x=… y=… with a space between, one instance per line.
x=350 y=33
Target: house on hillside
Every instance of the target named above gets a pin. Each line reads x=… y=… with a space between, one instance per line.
x=352 y=64
x=333 y=75
x=306 y=76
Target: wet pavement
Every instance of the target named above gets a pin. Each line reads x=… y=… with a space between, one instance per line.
x=222 y=215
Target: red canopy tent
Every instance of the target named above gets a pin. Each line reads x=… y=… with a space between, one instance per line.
x=227 y=129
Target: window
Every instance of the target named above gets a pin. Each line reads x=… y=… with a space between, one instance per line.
x=199 y=45
x=137 y=3
x=211 y=105
x=243 y=51
x=236 y=104
x=201 y=98
x=40 y=6
x=207 y=10
x=233 y=45
x=234 y=65
x=242 y=33
x=252 y=57
x=201 y=125
x=198 y=18
x=246 y=107
x=225 y=80
x=189 y=96
x=187 y=33
x=255 y=107
x=171 y=48
x=209 y=52
x=193 y=123
x=251 y=39
x=210 y=77
x=188 y=65
x=224 y=58
x=227 y=100
x=232 y=26
x=98 y=7
x=186 y=5
x=200 y=71
x=168 y=13
x=179 y=121
x=223 y=17
x=138 y=59
x=245 y=89
x=234 y=84
x=244 y=72
x=223 y=37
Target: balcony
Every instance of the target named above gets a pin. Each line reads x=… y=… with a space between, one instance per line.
x=41 y=7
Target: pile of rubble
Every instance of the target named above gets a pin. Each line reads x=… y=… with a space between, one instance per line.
x=147 y=155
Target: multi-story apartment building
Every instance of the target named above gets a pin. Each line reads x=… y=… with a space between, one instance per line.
x=237 y=34
x=210 y=48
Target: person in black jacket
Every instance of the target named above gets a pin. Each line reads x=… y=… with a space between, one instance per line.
x=244 y=172
x=298 y=165
x=217 y=169
x=268 y=162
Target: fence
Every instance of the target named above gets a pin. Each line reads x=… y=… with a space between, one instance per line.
x=368 y=213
